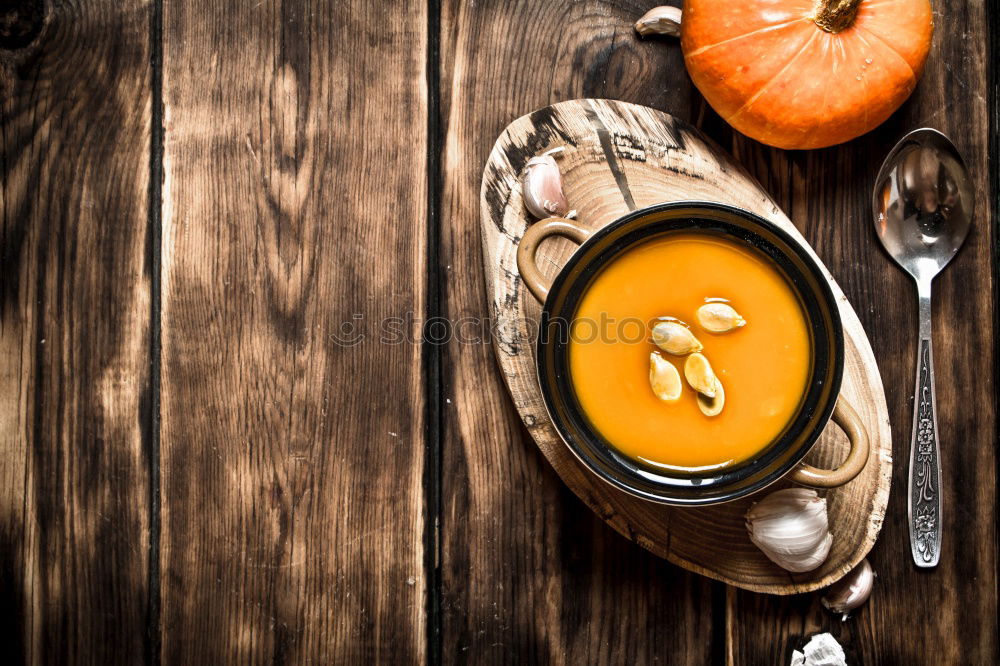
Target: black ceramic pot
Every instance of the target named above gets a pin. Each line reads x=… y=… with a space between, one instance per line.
x=820 y=402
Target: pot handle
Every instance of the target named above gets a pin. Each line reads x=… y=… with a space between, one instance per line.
x=532 y=238
x=848 y=419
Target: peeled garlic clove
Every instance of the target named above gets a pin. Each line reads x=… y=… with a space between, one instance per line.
x=542 y=187
x=699 y=374
x=664 y=378
x=719 y=317
x=850 y=591
x=713 y=406
x=660 y=21
x=790 y=526
x=675 y=338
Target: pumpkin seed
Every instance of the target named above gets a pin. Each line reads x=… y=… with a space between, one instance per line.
x=719 y=317
x=664 y=378
x=713 y=406
x=699 y=374
x=675 y=338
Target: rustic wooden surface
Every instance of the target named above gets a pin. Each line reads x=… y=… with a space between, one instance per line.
x=281 y=219
x=75 y=279
x=618 y=157
x=194 y=198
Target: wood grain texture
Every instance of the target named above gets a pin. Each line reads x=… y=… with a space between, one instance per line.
x=74 y=313
x=296 y=197
x=295 y=140
x=657 y=158
x=947 y=615
x=529 y=574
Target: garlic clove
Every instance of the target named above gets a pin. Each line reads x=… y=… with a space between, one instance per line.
x=675 y=338
x=699 y=374
x=791 y=527
x=542 y=186
x=660 y=21
x=719 y=317
x=851 y=591
x=811 y=560
x=664 y=378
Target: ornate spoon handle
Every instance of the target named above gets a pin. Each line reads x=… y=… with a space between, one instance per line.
x=925 y=464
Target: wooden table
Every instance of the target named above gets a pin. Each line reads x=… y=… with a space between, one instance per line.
x=200 y=461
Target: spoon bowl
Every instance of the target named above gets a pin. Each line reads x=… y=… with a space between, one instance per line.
x=923 y=205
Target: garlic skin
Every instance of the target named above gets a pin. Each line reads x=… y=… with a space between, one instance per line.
x=851 y=591
x=791 y=527
x=660 y=21
x=821 y=650
x=542 y=186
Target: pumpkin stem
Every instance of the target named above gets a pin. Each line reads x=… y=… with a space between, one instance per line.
x=836 y=15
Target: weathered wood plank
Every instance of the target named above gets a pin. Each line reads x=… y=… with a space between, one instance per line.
x=529 y=573
x=949 y=614
x=74 y=331
x=294 y=199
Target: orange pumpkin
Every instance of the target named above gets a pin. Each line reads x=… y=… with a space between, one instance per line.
x=805 y=73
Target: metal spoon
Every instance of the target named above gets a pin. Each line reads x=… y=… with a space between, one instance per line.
x=923 y=205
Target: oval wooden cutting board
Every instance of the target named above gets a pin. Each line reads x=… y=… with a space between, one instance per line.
x=619 y=157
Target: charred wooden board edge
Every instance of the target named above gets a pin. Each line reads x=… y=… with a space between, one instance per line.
x=534 y=132
x=609 y=154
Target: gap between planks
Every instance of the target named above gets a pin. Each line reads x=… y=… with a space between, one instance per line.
x=431 y=355
x=154 y=261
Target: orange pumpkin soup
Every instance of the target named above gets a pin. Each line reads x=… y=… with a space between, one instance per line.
x=763 y=366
